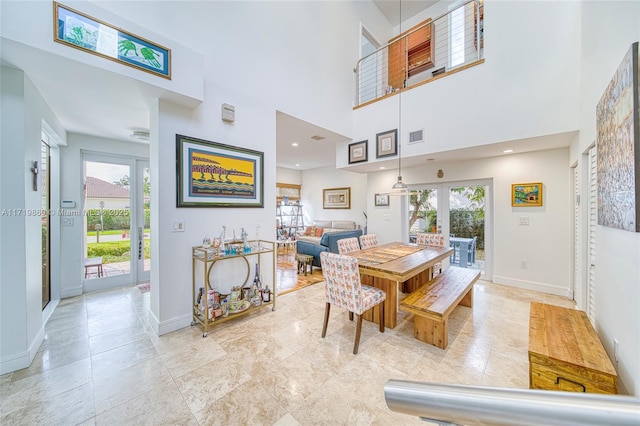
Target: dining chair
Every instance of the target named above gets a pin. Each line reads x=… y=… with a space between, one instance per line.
x=368 y=241
x=428 y=239
x=348 y=245
x=472 y=251
x=344 y=290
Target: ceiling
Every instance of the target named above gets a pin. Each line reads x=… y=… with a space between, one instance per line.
x=391 y=9
x=93 y=101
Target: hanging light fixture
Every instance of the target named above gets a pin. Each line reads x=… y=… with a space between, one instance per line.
x=400 y=188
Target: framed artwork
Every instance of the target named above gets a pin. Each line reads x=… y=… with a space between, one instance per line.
x=387 y=143
x=92 y=35
x=618 y=148
x=358 y=152
x=336 y=198
x=381 y=200
x=211 y=174
x=526 y=194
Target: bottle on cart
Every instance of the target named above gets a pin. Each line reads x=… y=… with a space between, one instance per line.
x=256 y=279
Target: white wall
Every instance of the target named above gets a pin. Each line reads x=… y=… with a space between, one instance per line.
x=609 y=28
x=254 y=128
x=21 y=322
x=295 y=56
x=315 y=180
x=186 y=81
x=484 y=104
x=284 y=175
x=544 y=244
x=71 y=188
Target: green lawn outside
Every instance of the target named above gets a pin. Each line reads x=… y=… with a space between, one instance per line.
x=113 y=232
x=115 y=251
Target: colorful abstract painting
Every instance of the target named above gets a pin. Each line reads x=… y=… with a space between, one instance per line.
x=618 y=148
x=211 y=174
x=99 y=38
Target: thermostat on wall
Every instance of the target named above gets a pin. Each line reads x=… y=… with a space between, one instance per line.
x=228 y=113
x=67 y=204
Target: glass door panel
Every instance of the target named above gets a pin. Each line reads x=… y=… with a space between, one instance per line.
x=423 y=211
x=107 y=203
x=45 y=195
x=143 y=224
x=467 y=225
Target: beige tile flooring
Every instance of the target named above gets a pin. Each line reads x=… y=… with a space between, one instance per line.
x=101 y=364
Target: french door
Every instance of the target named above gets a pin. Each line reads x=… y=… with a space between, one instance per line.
x=116 y=221
x=461 y=211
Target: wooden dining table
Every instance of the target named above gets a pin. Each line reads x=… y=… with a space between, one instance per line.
x=394 y=267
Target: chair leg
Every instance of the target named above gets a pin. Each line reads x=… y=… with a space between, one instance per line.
x=350 y=316
x=327 y=308
x=382 y=317
x=358 y=331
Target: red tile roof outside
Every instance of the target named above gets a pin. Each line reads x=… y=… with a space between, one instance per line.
x=98 y=188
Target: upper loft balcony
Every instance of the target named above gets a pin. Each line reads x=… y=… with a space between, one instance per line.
x=433 y=49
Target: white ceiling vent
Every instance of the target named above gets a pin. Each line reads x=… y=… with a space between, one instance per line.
x=417 y=136
x=317 y=137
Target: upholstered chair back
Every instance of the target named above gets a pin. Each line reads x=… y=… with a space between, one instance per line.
x=368 y=241
x=348 y=245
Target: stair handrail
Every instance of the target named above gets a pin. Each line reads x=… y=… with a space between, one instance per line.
x=479 y=405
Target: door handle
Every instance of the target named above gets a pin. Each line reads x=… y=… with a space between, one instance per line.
x=140 y=243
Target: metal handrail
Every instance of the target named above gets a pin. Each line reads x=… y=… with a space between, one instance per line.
x=355 y=69
x=478 y=405
x=377 y=60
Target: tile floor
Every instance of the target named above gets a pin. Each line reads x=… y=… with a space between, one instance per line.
x=100 y=363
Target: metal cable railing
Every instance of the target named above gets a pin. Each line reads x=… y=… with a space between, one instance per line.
x=477 y=405
x=425 y=51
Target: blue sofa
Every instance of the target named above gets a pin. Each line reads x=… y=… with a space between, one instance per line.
x=328 y=242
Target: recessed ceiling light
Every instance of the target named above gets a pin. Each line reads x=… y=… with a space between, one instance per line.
x=294 y=144
x=382 y=167
x=508 y=151
x=297 y=165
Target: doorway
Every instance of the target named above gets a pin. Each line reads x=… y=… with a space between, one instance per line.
x=116 y=221
x=45 y=197
x=462 y=212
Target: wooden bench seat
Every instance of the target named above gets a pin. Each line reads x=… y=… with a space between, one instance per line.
x=432 y=303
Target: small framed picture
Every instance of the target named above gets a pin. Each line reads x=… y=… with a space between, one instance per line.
x=336 y=198
x=381 y=200
x=358 y=152
x=387 y=143
x=526 y=194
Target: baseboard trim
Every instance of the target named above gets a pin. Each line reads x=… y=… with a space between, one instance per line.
x=22 y=360
x=532 y=285
x=168 y=326
x=71 y=292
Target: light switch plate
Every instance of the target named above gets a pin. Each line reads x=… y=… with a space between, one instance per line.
x=177 y=226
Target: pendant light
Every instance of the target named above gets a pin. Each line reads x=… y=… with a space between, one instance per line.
x=400 y=188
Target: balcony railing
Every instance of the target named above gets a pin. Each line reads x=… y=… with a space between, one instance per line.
x=434 y=48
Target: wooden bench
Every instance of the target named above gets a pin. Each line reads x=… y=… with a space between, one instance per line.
x=565 y=353
x=432 y=303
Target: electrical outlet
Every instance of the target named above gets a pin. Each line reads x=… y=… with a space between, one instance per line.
x=523 y=264
x=177 y=226
x=524 y=220
x=616 y=348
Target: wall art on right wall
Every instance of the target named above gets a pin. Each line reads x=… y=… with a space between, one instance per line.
x=618 y=148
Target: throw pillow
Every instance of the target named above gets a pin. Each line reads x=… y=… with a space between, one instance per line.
x=319 y=232
x=307 y=231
